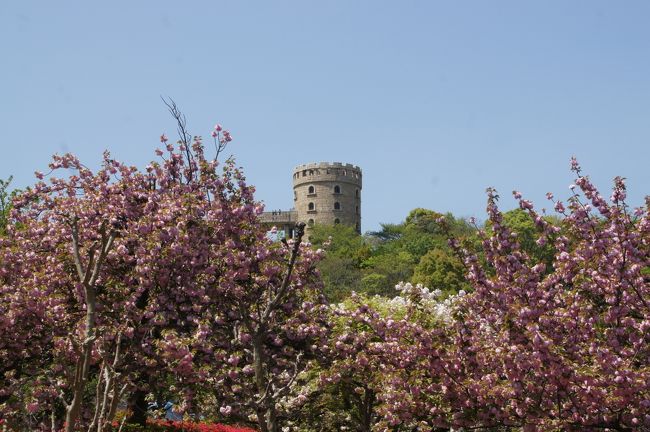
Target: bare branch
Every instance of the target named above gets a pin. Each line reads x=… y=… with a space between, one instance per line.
x=300 y=231
x=74 y=225
x=296 y=372
x=181 y=128
x=107 y=243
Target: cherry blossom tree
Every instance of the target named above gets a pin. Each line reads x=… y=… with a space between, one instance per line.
x=566 y=347
x=118 y=282
x=530 y=347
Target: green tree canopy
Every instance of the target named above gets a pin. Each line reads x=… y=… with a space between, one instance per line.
x=439 y=269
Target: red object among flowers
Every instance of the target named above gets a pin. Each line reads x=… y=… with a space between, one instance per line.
x=187 y=426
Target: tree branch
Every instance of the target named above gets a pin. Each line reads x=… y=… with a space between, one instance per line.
x=300 y=231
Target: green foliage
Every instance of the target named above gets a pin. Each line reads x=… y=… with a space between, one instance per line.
x=521 y=223
x=343 y=241
x=374 y=284
x=346 y=250
x=442 y=270
x=415 y=250
x=5 y=203
x=394 y=264
x=340 y=277
x=388 y=232
x=425 y=221
x=399 y=251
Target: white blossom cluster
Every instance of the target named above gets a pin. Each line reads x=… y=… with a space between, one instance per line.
x=409 y=295
x=429 y=299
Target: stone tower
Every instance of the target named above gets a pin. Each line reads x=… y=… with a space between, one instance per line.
x=327 y=193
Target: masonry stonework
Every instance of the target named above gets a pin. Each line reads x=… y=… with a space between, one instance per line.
x=323 y=193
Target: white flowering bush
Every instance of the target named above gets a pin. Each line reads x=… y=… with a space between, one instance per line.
x=370 y=350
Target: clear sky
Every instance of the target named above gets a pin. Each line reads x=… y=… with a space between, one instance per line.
x=434 y=100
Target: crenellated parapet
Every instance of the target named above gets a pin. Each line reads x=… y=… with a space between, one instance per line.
x=327 y=171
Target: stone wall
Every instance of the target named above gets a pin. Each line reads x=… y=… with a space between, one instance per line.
x=328 y=193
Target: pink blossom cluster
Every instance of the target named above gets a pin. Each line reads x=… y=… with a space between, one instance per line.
x=125 y=281
x=533 y=346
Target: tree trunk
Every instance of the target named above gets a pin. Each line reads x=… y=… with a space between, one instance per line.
x=83 y=364
x=265 y=412
x=137 y=405
x=367 y=409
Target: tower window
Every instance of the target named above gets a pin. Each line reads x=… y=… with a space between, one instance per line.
x=337 y=189
x=357 y=209
x=337 y=206
x=357 y=193
x=337 y=221
x=311 y=190
x=311 y=206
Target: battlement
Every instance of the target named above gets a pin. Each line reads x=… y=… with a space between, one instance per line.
x=327 y=171
x=320 y=165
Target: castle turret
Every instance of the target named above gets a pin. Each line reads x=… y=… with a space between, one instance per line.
x=328 y=193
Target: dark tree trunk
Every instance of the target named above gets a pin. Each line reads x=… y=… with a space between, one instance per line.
x=137 y=406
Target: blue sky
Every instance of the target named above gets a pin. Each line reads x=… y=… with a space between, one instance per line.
x=434 y=100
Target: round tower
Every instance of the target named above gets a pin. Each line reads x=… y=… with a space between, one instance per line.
x=328 y=193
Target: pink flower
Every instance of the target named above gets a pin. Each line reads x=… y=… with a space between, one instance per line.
x=32 y=407
x=225 y=410
x=526 y=205
x=574 y=164
x=217 y=127
x=163 y=138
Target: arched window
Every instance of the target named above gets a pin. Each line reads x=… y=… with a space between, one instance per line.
x=311 y=190
x=357 y=193
x=337 y=189
x=295 y=196
x=357 y=209
x=311 y=206
x=310 y=222
x=337 y=221
x=337 y=206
